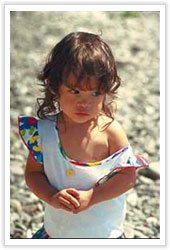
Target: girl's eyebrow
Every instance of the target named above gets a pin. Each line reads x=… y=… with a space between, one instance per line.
x=66 y=84
x=70 y=86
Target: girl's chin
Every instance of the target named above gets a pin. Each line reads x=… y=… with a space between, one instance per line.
x=78 y=117
x=81 y=118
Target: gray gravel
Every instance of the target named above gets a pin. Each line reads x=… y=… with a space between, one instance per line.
x=134 y=39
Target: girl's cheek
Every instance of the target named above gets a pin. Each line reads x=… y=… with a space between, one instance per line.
x=101 y=102
x=100 y=106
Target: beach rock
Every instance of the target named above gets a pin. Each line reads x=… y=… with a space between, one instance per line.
x=153 y=171
x=132 y=198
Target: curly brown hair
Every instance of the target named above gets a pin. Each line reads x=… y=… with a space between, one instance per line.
x=83 y=54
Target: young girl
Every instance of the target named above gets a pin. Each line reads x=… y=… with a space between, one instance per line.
x=80 y=162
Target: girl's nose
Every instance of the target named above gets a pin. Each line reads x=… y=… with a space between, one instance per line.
x=83 y=105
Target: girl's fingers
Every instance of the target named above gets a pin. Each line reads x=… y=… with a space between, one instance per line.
x=72 y=200
x=66 y=203
x=74 y=192
x=65 y=208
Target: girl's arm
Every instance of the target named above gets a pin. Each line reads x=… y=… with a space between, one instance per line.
x=38 y=183
x=114 y=187
x=118 y=184
x=122 y=181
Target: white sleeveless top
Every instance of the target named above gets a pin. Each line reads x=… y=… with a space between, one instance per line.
x=103 y=220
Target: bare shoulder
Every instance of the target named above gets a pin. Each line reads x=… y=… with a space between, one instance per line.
x=117 y=137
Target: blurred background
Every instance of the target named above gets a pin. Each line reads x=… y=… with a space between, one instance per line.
x=134 y=40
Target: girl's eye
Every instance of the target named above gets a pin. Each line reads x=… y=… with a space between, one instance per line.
x=74 y=91
x=96 y=93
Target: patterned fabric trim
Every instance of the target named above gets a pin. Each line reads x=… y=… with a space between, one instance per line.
x=90 y=164
x=41 y=234
x=28 y=130
x=133 y=162
x=122 y=236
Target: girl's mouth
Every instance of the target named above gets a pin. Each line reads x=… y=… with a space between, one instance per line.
x=82 y=114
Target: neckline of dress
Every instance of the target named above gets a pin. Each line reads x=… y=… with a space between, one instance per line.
x=81 y=163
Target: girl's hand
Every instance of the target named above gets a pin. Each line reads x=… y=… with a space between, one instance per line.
x=67 y=199
x=84 y=200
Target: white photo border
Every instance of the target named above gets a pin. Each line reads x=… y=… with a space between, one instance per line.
x=157 y=7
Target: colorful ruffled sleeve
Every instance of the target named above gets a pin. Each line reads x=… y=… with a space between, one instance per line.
x=123 y=159
x=28 y=130
x=129 y=160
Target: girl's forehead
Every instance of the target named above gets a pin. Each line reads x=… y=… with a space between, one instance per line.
x=88 y=83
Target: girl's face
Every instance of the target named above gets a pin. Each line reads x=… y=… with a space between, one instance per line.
x=80 y=104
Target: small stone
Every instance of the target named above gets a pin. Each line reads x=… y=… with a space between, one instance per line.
x=17 y=157
x=139 y=235
x=155 y=168
x=14 y=216
x=152 y=172
x=153 y=221
x=28 y=110
x=30 y=208
x=26 y=218
x=24 y=90
x=145 y=180
x=145 y=230
x=38 y=217
x=150 y=110
x=129 y=230
x=20 y=226
x=33 y=197
x=16 y=205
x=132 y=198
x=17 y=168
x=40 y=207
x=29 y=233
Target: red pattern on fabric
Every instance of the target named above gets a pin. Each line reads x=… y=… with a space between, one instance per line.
x=32 y=121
